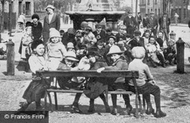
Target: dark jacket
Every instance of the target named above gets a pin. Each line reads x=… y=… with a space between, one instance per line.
x=120 y=64
x=55 y=23
x=161 y=23
x=37 y=31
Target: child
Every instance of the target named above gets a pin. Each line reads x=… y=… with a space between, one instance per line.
x=70 y=47
x=55 y=49
x=96 y=86
x=118 y=83
x=26 y=41
x=145 y=82
x=70 y=63
x=37 y=87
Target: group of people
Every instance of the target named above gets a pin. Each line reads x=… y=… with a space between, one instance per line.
x=85 y=49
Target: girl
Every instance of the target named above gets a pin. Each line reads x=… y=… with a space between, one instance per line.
x=55 y=49
x=118 y=83
x=37 y=87
x=145 y=82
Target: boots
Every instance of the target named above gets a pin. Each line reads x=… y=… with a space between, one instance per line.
x=129 y=108
x=158 y=113
x=23 y=106
x=114 y=111
x=114 y=101
x=91 y=108
x=149 y=110
x=107 y=107
x=75 y=108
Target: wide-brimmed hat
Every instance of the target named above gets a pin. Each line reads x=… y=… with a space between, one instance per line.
x=70 y=45
x=70 y=55
x=138 y=52
x=50 y=6
x=54 y=33
x=114 y=50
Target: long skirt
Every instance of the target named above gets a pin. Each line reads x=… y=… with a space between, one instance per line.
x=36 y=90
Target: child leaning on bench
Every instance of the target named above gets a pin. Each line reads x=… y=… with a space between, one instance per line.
x=116 y=83
x=145 y=82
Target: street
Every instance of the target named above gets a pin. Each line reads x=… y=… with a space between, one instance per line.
x=175 y=93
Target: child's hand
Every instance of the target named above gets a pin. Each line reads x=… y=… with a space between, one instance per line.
x=152 y=82
x=100 y=69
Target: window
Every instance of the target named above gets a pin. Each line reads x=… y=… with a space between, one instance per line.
x=156 y=1
x=28 y=10
x=148 y=2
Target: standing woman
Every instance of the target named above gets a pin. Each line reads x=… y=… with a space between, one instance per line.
x=36 y=89
x=36 y=27
x=51 y=20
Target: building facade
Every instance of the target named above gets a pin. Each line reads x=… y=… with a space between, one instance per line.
x=182 y=8
x=148 y=6
x=18 y=7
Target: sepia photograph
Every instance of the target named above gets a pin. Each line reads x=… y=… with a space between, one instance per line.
x=94 y=61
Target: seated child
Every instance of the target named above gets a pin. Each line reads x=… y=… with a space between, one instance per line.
x=145 y=82
x=36 y=89
x=116 y=83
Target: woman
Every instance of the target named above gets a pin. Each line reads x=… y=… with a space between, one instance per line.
x=36 y=89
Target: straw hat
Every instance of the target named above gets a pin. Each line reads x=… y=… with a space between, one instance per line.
x=70 y=45
x=70 y=55
x=54 y=33
x=114 y=50
x=138 y=52
x=50 y=6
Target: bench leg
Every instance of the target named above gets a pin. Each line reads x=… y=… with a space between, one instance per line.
x=136 y=103
x=50 y=101
x=55 y=96
x=106 y=93
x=45 y=100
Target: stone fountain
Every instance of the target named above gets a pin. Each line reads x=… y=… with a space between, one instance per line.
x=94 y=11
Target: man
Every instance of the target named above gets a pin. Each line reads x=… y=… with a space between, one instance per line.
x=130 y=24
x=145 y=21
x=139 y=19
x=51 y=20
x=164 y=23
x=153 y=23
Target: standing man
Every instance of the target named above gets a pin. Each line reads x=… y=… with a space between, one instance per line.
x=153 y=23
x=139 y=19
x=130 y=24
x=145 y=21
x=176 y=16
x=51 y=20
x=164 y=23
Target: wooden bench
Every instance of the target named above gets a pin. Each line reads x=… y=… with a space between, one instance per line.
x=91 y=73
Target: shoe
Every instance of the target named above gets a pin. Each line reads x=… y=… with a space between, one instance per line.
x=75 y=108
x=159 y=114
x=129 y=109
x=149 y=111
x=91 y=110
x=114 y=111
x=108 y=110
x=23 y=107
